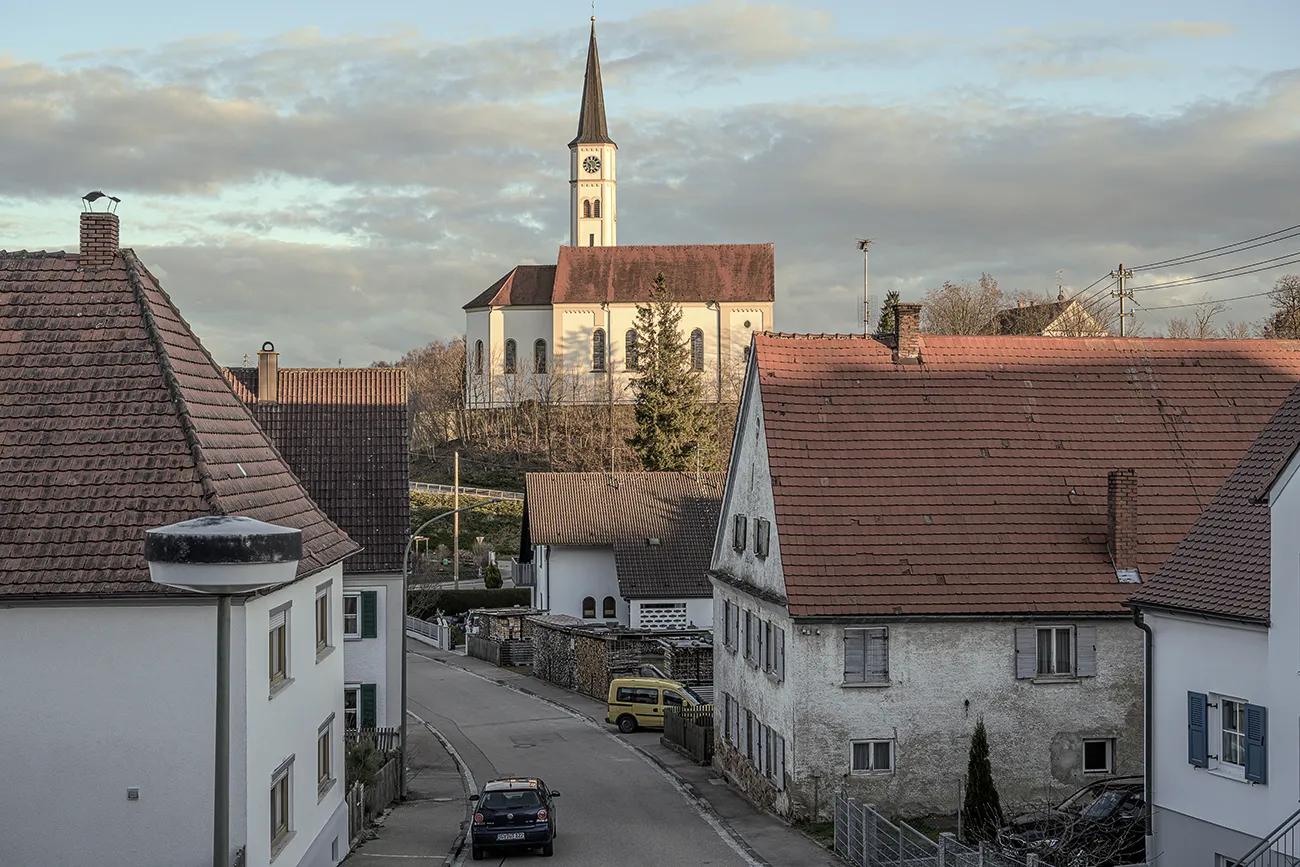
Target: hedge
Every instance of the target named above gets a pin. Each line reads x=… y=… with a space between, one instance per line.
x=425 y=601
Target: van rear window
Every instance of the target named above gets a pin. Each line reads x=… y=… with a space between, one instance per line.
x=637 y=695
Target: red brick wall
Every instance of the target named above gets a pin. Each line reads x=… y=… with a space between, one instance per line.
x=907 y=332
x=1121 y=517
x=99 y=240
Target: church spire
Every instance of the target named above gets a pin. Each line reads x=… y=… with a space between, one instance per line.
x=591 y=120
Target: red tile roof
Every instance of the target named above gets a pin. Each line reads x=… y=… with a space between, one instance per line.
x=344 y=432
x=696 y=273
x=975 y=482
x=1223 y=566
x=115 y=419
x=625 y=511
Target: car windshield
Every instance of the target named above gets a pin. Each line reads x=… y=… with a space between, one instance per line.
x=511 y=800
x=1101 y=806
x=686 y=691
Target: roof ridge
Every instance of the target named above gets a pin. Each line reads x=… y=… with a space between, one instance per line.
x=210 y=492
x=34 y=254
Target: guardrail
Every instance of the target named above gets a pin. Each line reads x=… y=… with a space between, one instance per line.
x=467 y=492
x=439 y=634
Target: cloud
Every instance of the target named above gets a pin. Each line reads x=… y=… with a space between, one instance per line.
x=344 y=197
x=1093 y=50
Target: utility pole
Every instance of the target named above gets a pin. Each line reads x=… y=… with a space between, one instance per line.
x=455 y=523
x=863 y=245
x=1120 y=274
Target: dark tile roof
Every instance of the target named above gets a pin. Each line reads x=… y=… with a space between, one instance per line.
x=591 y=118
x=728 y=273
x=975 y=481
x=626 y=511
x=115 y=419
x=344 y=432
x=1222 y=566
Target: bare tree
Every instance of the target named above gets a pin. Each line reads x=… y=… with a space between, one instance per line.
x=1284 y=324
x=968 y=307
x=1201 y=324
x=1238 y=330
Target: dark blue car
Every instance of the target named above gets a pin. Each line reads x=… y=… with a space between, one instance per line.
x=513 y=812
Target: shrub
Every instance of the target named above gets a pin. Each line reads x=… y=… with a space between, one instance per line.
x=426 y=601
x=363 y=761
x=492 y=577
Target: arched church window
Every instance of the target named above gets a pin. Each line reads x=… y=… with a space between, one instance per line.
x=586 y=207
x=697 y=349
x=630 y=349
x=589 y=607
x=608 y=609
x=478 y=357
x=539 y=356
x=595 y=207
x=598 y=350
x=511 y=354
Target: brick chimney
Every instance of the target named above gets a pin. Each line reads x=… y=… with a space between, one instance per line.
x=268 y=374
x=98 y=240
x=907 y=333
x=1121 y=518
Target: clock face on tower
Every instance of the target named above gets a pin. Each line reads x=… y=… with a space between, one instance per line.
x=591 y=164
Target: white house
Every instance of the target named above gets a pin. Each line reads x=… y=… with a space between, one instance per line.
x=115 y=420
x=631 y=548
x=344 y=433
x=918 y=534
x=566 y=333
x=1224 y=615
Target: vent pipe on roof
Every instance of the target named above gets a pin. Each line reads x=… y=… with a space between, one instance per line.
x=1121 y=519
x=907 y=333
x=268 y=374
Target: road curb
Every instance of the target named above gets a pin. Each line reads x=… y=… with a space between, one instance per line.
x=683 y=785
x=456 y=855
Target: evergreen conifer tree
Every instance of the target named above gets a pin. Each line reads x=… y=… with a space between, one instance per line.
x=981 y=810
x=886 y=323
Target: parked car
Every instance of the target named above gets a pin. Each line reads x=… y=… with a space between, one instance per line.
x=639 y=702
x=513 y=812
x=1101 y=825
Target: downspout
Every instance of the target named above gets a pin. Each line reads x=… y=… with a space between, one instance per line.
x=1148 y=709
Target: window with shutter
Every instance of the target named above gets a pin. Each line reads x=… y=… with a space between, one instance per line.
x=1256 y=743
x=762 y=530
x=780 y=654
x=726 y=623
x=748 y=637
x=1085 y=659
x=1198 y=741
x=779 y=751
x=370 y=614
x=1026 y=652
x=855 y=655
x=369 y=706
x=740 y=532
x=726 y=718
x=866 y=655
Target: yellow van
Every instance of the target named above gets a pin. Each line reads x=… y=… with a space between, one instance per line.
x=639 y=702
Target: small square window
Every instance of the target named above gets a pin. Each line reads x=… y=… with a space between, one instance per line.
x=873 y=757
x=1098 y=755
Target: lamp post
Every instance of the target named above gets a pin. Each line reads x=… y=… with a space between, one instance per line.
x=222 y=555
x=406 y=561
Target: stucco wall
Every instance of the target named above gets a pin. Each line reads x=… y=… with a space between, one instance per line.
x=378 y=660
x=1035 y=728
x=102 y=698
x=699 y=612
x=575 y=573
x=286 y=723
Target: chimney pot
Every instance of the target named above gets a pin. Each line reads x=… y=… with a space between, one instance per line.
x=268 y=374
x=99 y=239
x=1121 y=518
x=907 y=333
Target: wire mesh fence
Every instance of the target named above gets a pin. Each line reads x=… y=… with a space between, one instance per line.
x=864 y=837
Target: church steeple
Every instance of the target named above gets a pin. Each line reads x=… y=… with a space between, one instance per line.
x=593 y=215
x=591 y=118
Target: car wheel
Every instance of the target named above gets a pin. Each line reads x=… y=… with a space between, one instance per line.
x=477 y=853
x=627 y=724
x=548 y=849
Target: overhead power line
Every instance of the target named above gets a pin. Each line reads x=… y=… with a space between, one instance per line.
x=1227 y=249
x=1211 y=301
x=1292 y=258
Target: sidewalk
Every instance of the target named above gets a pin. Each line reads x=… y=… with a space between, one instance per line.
x=426 y=828
x=766 y=838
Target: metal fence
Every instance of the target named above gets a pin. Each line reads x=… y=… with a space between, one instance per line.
x=866 y=838
x=690 y=731
x=386 y=740
x=466 y=492
x=1279 y=849
x=438 y=633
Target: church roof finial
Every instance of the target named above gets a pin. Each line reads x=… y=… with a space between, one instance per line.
x=591 y=119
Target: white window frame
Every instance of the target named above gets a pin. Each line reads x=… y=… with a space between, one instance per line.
x=1074 y=652
x=1218 y=764
x=871 y=770
x=1109 y=744
x=281 y=788
x=353 y=596
x=354 y=688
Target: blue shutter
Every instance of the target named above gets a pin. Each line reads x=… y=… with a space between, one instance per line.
x=1198 y=745
x=1256 y=743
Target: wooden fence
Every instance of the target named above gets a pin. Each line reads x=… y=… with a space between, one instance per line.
x=507 y=653
x=690 y=731
x=386 y=740
x=366 y=802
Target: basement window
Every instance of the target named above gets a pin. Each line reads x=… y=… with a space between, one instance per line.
x=873 y=757
x=1098 y=755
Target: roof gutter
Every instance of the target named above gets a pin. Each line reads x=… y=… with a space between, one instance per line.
x=1147 y=717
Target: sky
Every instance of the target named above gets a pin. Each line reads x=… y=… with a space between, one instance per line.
x=340 y=178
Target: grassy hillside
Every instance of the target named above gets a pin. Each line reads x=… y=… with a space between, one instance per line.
x=498 y=523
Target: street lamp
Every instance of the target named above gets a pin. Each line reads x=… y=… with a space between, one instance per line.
x=222 y=555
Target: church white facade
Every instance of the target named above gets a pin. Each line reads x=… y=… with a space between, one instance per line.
x=565 y=333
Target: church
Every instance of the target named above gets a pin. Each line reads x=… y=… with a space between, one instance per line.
x=566 y=333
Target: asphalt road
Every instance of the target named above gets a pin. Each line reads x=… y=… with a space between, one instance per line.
x=615 y=807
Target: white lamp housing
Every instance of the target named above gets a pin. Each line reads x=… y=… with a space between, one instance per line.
x=223 y=554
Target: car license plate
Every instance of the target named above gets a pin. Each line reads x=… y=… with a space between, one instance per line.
x=517 y=835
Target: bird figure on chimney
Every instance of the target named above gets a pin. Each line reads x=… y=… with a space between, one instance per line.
x=95 y=195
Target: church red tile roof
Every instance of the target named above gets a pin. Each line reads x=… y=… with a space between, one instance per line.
x=115 y=419
x=975 y=482
x=726 y=273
